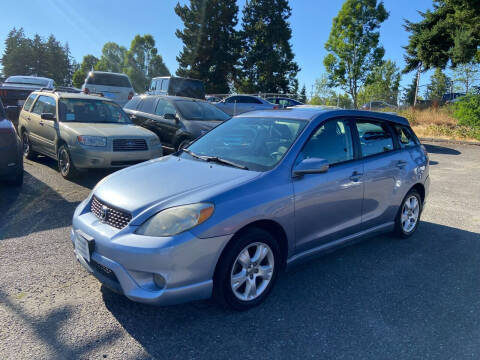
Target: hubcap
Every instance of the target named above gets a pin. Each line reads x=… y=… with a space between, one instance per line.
x=252 y=271
x=410 y=212
x=64 y=161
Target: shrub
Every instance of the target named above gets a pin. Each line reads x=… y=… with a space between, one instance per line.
x=467 y=111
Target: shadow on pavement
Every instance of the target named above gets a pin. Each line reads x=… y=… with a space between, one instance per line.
x=364 y=301
x=436 y=149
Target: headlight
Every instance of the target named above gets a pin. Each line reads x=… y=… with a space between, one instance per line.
x=154 y=141
x=92 y=140
x=176 y=220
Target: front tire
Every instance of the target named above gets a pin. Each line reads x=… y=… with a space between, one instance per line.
x=408 y=216
x=28 y=153
x=247 y=270
x=65 y=163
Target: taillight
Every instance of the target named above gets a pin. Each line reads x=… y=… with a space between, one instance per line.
x=130 y=96
x=276 y=107
x=86 y=91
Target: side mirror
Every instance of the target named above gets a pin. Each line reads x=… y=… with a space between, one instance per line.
x=47 y=116
x=170 y=117
x=12 y=112
x=310 y=166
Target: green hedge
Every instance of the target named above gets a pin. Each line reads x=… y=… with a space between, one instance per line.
x=467 y=111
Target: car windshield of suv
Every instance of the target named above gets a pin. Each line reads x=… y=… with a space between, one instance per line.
x=26 y=81
x=257 y=144
x=196 y=110
x=91 y=111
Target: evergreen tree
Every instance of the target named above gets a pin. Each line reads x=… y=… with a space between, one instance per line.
x=267 y=61
x=112 y=59
x=16 y=57
x=294 y=88
x=210 y=42
x=303 y=95
x=409 y=94
x=353 y=45
x=88 y=64
x=437 y=86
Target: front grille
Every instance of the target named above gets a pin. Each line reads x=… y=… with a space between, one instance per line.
x=109 y=215
x=108 y=273
x=129 y=145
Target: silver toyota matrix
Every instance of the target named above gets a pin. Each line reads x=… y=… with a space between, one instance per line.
x=259 y=193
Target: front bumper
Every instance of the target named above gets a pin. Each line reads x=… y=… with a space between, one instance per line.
x=127 y=263
x=84 y=157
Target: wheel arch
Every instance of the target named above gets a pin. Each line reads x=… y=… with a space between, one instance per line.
x=420 y=189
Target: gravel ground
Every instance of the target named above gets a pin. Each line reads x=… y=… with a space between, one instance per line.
x=381 y=298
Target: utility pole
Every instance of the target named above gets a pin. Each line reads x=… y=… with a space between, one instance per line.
x=416 y=87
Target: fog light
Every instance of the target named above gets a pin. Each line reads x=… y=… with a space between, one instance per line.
x=159 y=281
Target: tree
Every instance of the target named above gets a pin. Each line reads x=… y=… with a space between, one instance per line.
x=294 y=88
x=16 y=57
x=409 y=94
x=353 y=45
x=210 y=42
x=142 y=62
x=451 y=32
x=467 y=75
x=437 y=86
x=382 y=84
x=323 y=91
x=303 y=95
x=88 y=64
x=267 y=60
x=112 y=59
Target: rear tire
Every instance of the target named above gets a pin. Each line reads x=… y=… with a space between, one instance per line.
x=65 y=163
x=408 y=216
x=17 y=180
x=28 y=153
x=247 y=270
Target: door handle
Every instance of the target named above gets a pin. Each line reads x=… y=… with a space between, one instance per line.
x=401 y=164
x=356 y=176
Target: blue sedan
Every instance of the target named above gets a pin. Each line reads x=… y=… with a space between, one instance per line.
x=257 y=194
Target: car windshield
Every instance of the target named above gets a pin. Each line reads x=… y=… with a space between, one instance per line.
x=91 y=111
x=196 y=110
x=255 y=143
x=26 y=81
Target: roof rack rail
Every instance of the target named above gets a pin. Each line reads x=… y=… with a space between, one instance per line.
x=61 y=89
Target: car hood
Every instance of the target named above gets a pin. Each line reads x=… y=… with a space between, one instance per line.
x=99 y=129
x=166 y=182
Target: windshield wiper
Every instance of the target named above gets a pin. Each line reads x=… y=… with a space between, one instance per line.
x=215 y=159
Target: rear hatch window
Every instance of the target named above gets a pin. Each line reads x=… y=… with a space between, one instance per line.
x=109 y=80
x=187 y=87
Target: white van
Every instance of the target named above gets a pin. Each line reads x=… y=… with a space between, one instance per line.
x=114 y=86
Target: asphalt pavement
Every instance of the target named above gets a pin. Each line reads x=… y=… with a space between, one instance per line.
x=383 y=298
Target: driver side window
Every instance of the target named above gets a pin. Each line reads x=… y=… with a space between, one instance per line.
x=332 y=141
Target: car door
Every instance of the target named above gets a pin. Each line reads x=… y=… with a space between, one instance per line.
x=48 y=129
x=165 y=128
x=36 y=124
x=328 y=206
x=384 y=169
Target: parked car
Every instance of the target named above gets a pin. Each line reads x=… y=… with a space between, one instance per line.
x=284 y=102
x=11 y=159
x=83 y=131
x=111 y=85
x=15 y=90
x=238 y=104
x=259 y=192
x=378 y=105
x=213 y=99
x=177 y=86
x=450 y=97
x=176 y=120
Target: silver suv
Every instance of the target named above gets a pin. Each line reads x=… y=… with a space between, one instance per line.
x=83 y=131
x=114 y=86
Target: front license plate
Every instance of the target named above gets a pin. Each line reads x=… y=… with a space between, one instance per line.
x=81 y=247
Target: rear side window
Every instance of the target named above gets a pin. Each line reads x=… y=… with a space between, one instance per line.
x=164 y=85
x=153 y=85
x=108 y=80
x=146 y=105
x=375 y=137
x=29 y=102
x=132 y=104
x=404 y=136
x=249 y=100
x=45 y=104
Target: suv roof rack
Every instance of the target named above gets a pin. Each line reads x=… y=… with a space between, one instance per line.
x=61 y=89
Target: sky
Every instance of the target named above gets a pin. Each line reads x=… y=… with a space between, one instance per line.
x=88 y=24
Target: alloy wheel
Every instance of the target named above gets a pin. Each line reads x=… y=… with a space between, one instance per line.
x=64 y=161
x=252 y=271
x=410 y=213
